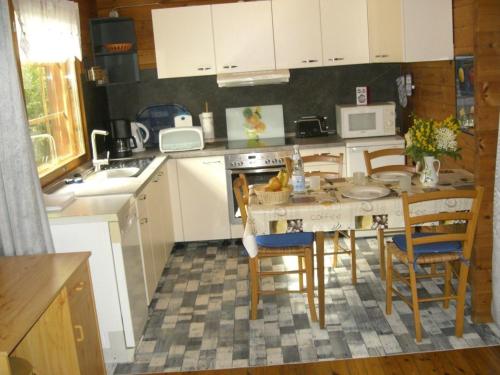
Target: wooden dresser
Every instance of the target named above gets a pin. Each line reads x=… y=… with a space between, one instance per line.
x=47 y=315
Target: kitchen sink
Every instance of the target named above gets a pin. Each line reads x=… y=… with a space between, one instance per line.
x=114 y=173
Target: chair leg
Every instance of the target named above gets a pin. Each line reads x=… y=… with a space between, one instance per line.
x=300 y=261
x=447 y=284
x=414 y=299
x=462 y=285
x=352 y=236
x=381 y=248
x=388 y=286
x=254 y=287
x=310 y=285
x=335 y=248
x=433 y=268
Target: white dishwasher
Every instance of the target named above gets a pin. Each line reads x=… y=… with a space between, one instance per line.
x=355 y=148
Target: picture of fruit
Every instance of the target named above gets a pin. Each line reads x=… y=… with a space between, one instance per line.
x=253 y=122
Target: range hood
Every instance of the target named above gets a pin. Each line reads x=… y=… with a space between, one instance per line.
x=264 y=77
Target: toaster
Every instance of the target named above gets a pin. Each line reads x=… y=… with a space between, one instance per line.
x=181 y=139
x=311 y=126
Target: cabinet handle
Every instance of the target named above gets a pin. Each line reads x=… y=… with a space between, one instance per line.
x=81 y=336
x=336 y=59
x=234 y=66
x=309 y=61
x=80 y=286
x=230 y=66
x=211 y=162
x=144 y=220
x=155 y=180
x=143 y=197
x=203 y=68
x=381 y=55
x=226 y=66
x=160 y=174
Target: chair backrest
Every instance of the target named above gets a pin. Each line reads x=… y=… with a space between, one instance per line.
x=470 y=217
x=241 y=193
x=320 y=159
x=370 y=156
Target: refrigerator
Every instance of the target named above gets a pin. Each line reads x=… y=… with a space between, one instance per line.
x=355 y=148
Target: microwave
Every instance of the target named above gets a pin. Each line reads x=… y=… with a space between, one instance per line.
x=356 y=121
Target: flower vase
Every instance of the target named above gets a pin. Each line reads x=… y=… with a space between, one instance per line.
x=429 y=175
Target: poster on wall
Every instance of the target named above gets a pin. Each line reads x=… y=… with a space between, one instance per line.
x=464 y=77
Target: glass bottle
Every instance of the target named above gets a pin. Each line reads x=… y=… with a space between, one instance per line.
x=298 y=179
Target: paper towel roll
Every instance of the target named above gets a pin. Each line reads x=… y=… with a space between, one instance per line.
x=207 y=124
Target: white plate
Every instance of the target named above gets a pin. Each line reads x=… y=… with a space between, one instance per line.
x=365 y=192
x=393 y=176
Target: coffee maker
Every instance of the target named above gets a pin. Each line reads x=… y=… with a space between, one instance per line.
x=122 y=141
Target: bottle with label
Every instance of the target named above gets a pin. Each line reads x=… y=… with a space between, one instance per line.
x=298 y=179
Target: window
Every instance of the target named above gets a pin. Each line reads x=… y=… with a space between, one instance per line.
x=48 y=38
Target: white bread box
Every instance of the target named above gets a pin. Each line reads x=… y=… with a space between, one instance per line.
x=181 y=139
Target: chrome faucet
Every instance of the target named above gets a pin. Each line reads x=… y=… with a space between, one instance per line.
x=95 y=161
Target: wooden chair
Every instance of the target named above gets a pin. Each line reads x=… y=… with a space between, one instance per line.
x=370 y=169
x=337 y=162
x=300 y=245
x=414 y=249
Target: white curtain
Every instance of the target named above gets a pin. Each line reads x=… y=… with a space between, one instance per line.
x=495 y=271
x=48 y=30
x=24 y=227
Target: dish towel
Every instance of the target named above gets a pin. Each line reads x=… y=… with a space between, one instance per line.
x=249 y=241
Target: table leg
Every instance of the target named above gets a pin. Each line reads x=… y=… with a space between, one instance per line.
x=320 y=254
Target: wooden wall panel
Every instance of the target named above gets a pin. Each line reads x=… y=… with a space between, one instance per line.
x=476 y=32
x=87 y=9
x=140 y=12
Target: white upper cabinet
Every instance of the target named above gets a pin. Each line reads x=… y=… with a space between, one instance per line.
x=428 y=30
x=243 y=36
x=344 y=30
x=385 y=30
x=184 y=41
x=297 y=33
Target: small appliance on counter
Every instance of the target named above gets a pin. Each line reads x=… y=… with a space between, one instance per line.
x=372 y=120
x=122 y=141
x=311 y=126
x=140 y=134
x=181 y=139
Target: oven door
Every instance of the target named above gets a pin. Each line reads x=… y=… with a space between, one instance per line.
x=254 y=176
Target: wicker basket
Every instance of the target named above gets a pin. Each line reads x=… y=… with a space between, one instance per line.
x=118 y=47
x=272 y=197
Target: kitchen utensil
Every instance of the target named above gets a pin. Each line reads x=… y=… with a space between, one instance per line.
x=365 y=192
x=207 y=124
x=122 y=141
x=141 y=135
x=405 y=183
x=359 y=178
x=314 y=182
x=254 y=123
x=158 y=117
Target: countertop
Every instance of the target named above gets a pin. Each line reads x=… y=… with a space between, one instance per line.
x=28 y=285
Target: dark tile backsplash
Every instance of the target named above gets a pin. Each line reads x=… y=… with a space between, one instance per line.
x=310 y=91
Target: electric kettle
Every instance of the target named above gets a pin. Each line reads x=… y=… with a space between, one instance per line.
x=141 y=135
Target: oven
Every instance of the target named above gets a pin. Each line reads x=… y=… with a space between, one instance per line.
x=258 y=167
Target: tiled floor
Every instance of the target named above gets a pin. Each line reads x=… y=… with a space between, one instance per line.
x=199 y=316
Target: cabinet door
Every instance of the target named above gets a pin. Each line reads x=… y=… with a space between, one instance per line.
x=84 y=320
x=50 y=345
x=428 y=30
x=385 y=30
x=297 y=33
x=344 y=31
x=183 y=41
x=146 y=245
x=203 y=193
x=243 y=35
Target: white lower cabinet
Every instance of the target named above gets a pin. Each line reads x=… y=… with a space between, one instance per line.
x=203 y=198
x=156 y=230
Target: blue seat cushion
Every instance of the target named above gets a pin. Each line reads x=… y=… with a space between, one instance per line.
x=285 y=239
x=430 y=248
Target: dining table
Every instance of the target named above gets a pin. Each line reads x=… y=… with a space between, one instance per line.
x=339 y=204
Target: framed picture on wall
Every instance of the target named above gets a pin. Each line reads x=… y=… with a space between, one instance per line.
x=464 y=78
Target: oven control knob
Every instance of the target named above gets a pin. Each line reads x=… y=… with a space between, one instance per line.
x=267 y=161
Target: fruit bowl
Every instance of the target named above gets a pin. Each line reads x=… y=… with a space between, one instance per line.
x=272 y=197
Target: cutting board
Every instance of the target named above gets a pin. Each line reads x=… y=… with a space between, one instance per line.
x=255 y=122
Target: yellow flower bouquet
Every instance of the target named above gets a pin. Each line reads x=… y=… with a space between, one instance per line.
x=432 y=138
